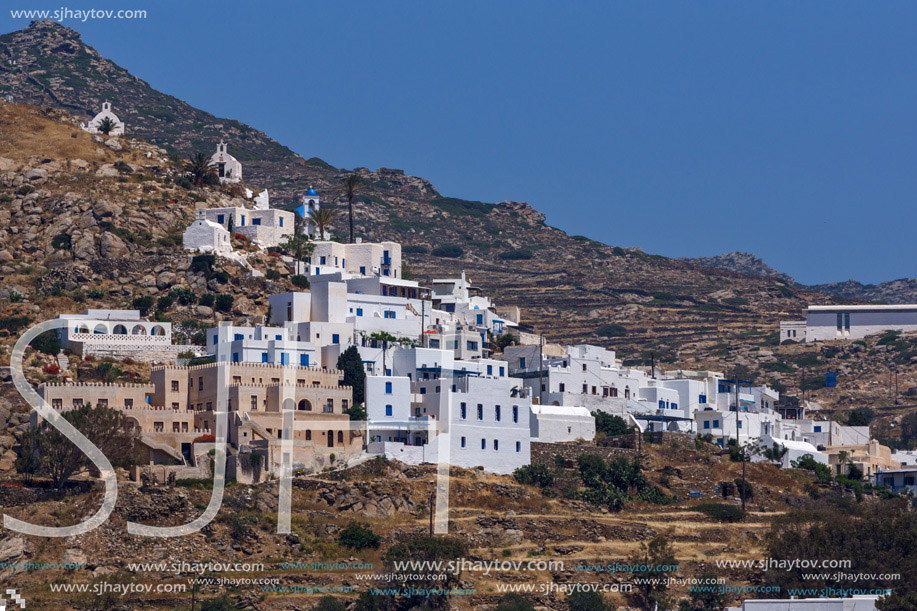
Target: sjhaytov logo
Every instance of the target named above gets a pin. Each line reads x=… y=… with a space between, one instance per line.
x=15 y=600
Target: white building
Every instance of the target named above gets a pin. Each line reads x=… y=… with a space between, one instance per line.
x=793 y=330
x=436 y=408
x=458 y=297
x=557 y=424
x=206 y=236
x=93 y=126
x=361 y=258
x=794 y=450
x=228 y=167
x=264 y=227
x=118 y=334
x=897 y=480
x=855 y=603
x=272 y=345
x=824 y=323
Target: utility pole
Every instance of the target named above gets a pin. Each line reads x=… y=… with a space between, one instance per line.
x=743 y=474
x=802 y=386
x=540 y=369
x=432 y=499
x=896 y=385
x=653 y=365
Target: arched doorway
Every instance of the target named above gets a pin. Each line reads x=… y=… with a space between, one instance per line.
x=120 y=330
x=330 y=439
x=305 y=406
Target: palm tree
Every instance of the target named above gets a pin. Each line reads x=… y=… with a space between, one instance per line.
x=106 y=126
x=200 y=168
x=322 y=219
x=349 y=188
x=297 y=244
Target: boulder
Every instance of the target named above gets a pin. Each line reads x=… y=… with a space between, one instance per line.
x=112 y=247
x=107 y=170
x=37 y=176
x=113 y=144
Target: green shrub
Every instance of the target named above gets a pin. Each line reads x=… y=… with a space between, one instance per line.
x=414 y=249
x=517 y=255
x=720 y=511
x=744 y=489
x=860 y=416
x=611 y=425
x=184 y=295
x=611 y=330
x=587 y=600
x=95 y=294
x=822 y=471
x=164 y=303
x=203 y=264
x=536 y=474
x=143 y=303
x=47 y=343
x=207 y=300
x=25 y=190
x=300 y=281
x=61 y=241
x=223 y=302
x=449 y=251
x=272 y=274
x=359 y=536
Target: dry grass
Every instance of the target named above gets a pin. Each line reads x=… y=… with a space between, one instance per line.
x=25 y=132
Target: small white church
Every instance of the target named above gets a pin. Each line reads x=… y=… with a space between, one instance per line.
x=93 y=126
x=228 y=167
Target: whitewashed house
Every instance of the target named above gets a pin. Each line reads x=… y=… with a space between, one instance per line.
x=265 y=228
x=445 y=410
x=119 y=334
x=557 y=424
x=206 y=236
x=832 y=322
x=93 y=126
x=227 y=167
x=269 y=345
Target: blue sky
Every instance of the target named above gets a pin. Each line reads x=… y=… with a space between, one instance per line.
x=785 y=129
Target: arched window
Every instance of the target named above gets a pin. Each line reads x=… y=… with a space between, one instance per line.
x=120 y=330
x=138 y=330
x=100 y=329
x=308 y=435
x=82 y=329
x=305 y=406
x=340 y=436
x=158 y=330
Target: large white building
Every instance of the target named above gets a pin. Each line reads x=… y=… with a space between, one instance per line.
x=270 y=345
x=824 y=323
x=93 y=126
x=435 y=408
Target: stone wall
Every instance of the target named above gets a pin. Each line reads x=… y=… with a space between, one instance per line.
x=545 y=452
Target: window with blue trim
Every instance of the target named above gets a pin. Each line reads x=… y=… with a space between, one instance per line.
x=706 y=424
x=388 y=388
x=740 y=424
x=502 y=371
x=235 y=357
x=359 y=311
x=256 y=221
x=463 y=442
x=490 y=370
x=716 y=424
x=818 y=429
x=518 y=446
x=702 y=398
x=238 y=336
x=480 y=412
x=483 y=444
x=264 y=357
x=464 y=411
x=281 y=221
x=388 y=410
x=304 y=360
x=673 y=406
x=284 y=358
x=480 y=319
x=335 y=338
x=221 y=219
x=661 y=404
x=497 y=413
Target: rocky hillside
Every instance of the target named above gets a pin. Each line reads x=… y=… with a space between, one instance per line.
x=741 y=263
x=570 y=287
x=893 y=291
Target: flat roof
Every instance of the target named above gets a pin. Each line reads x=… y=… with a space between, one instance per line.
x=832 y=308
